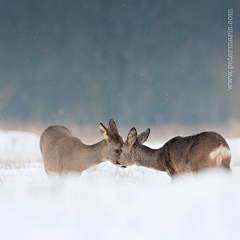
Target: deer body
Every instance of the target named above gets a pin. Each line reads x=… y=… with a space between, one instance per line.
x=63 y=153
x=178 y=155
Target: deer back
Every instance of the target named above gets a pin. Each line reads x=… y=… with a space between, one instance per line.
x=57 y=143
x=196 y=152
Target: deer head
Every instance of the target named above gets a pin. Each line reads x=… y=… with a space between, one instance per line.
x=114 y=142
x=129 y=153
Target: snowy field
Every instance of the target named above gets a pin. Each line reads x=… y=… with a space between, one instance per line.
x=112 y=203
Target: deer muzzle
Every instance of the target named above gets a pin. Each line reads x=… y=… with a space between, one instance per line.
x=117 y=163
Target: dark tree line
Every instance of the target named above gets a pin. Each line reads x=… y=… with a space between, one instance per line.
x=140 y=62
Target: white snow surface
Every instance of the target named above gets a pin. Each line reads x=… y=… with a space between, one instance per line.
x=108 y=202
x=19 y=147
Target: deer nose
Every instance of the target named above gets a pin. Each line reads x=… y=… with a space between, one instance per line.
x=117 y=163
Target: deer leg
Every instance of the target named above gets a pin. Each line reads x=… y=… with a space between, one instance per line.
x=50 y=175
x=72 y=174
x=63 y=175
x=174 y=177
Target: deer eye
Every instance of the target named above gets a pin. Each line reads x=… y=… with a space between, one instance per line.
x=118 y=150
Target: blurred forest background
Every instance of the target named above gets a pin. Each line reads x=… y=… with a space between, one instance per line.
x=142 y=63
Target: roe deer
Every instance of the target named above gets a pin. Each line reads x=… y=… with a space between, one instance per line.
x=63 y=153
x=178 y=155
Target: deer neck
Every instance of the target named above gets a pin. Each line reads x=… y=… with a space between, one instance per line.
x=150 y=158
x=95 y=153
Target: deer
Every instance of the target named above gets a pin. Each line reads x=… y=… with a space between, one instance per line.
x=63 y=153
x=178 y=155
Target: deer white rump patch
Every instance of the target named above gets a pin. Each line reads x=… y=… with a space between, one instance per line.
x=220 y=153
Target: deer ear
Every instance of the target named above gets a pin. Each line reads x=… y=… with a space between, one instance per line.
x=113 y=127
x=143 y=136
x=132 y=136
x=104 y=131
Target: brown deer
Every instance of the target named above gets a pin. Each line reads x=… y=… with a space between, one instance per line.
x=63 y=153
x=178 y=155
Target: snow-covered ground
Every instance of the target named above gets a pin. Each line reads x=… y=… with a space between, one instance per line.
x=112 y=203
